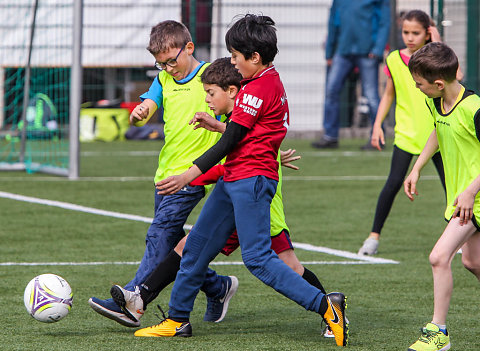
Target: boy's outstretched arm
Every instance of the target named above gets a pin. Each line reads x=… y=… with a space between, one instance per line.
x=142 y=113
x=410 y=184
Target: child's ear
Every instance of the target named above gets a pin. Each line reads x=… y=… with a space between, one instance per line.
x=256 y=58
x=190 y=47
x=232 y=91
x=440 y=84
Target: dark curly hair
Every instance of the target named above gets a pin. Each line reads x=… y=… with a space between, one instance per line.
x=251 y=34
x=222 y=73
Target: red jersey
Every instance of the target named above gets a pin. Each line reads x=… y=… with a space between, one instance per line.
x=261 y=106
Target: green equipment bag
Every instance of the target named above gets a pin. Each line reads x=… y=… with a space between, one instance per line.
x=41 y=118
x=103 y=124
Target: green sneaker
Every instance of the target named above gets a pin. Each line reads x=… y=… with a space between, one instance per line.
x=432 y=339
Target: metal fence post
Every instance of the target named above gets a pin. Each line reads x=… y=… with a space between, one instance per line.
x=75 y=91
x=193 y=20
x=473 y=45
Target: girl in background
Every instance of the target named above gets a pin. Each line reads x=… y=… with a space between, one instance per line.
x=413 y=121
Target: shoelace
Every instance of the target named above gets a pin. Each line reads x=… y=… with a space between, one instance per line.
x=427 y=335
x=163 y=315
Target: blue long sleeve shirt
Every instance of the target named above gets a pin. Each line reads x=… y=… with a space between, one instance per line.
x=358 y=27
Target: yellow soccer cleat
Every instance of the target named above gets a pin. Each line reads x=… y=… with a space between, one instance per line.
x=432 y=339
x=335 y=317
x=167 y=328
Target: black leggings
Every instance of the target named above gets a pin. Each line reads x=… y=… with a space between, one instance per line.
x=398 y=169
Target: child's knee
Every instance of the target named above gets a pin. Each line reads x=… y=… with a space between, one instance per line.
x=437 y=259
x=473 y=265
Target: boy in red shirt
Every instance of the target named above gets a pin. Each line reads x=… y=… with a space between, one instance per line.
x=242 y=198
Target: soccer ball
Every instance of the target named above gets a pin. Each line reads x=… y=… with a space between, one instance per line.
x=48 y=298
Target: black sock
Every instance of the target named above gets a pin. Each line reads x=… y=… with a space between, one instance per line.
x=164 y=274
x=323 y=306
x=310 y=277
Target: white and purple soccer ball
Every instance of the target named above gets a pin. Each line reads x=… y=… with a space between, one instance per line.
x=48 y=298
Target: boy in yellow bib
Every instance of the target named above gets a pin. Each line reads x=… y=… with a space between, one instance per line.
x=178 y=89
x=456 y=113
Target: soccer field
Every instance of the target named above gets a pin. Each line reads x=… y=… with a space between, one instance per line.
x=91 y=232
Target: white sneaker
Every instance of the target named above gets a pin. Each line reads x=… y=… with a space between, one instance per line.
x=327 y=333
x=130 y=302
x=369 y=247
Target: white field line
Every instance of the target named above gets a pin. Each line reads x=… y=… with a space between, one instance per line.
x=73 y=207
x=136 y=263
x=79 y=208
x=119 y=153
x=347 y=178
x=342 y=253
x=305 y=153
x=82 y=179
x=141 y=179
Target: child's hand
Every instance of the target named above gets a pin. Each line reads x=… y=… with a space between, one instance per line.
x=139 y=113
x=434 y=34
x=378 y=137
x=464 y=206
x=171 y=185
x=409 y=185
x=204 y=120
x=287 y=156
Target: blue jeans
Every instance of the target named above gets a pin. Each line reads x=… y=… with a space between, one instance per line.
x=336 y=76
x=166 y=230
x=244 y=204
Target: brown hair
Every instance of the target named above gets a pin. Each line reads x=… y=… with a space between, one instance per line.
x=166 y=35
x=434 y=61
x=420 y=17
x=222 y=73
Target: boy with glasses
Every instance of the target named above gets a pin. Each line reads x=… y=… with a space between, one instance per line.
x=177 y=89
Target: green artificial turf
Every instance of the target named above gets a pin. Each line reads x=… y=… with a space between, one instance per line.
x=329 y=202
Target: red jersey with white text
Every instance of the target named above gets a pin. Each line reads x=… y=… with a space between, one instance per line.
x=261 y=106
